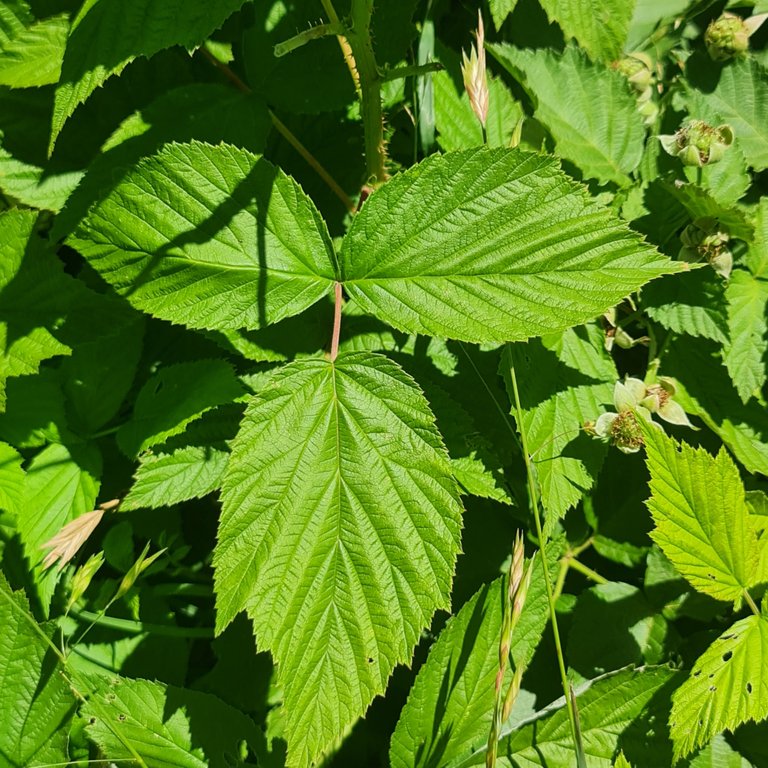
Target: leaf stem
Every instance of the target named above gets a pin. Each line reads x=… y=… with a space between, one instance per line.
x=139 y=627
x=542 y=545
x=336 y=322
x=346 y=51
x=412 y=69
x=751 y=603
x=585 y=570
x=286 y=133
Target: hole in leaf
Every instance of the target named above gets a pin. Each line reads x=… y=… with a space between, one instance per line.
x=713 y=688
x=749 y=687
x=727 y=655
x=697 y=673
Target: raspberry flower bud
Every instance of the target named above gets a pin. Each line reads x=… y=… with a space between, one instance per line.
x=707 y=240
x=473 y=70
x=697 y=143
x=728 y=36
x=638 y=69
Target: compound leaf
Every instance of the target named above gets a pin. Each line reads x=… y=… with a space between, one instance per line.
x=701 y=516
x=338 y=535
x=744 y=352
x=587 y=108
x=450 y=707
x=212 y=237
x=108 y=34
x=35 y=701
x=488 y=245
x=727 y=687
x=600 y=27
x=168 y=727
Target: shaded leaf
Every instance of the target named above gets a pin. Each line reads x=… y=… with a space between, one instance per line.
x=588 y=109
x=33 y=57
x=212 y=237
x=166 y=726
x=564 y=380
x=11 y=479
x=36 y=703
x=450 y=706
x=174 y=397
x=599 y=27
x=61 y=484
x=744 y=352
x=108 y=34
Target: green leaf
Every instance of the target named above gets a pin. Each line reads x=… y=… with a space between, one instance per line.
x=164 y=479
x=108 y=34
x=490 y=245
x=564 y=380
x=15 y=16
x=11 y=479
x=212 y=237
x=500 y=9
x=175 y=396
x=338 y=535
x=739 y=98
x=33 y=57
x=701 y=516
x=610 y=707
x=588 y=109
x=631 y=633
x=757 y=256
x=450 y=707
x=744 y=352
x=693 y=303
x=599 y=27
x=35 y=297
x=719 y=754
x=167 y=727
x=457 y=124
x=61 y=484
x=727 y=687
x=36 y=704
x=704 y=389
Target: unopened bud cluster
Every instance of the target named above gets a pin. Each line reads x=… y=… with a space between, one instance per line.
x=638 y=69
x=697 y=143
x=473 y=70
x=728 y=37
x=518 y=582
x=707 y=240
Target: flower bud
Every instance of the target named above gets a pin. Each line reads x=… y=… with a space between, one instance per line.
x=638 y=69
x=707 y=240
x=727 y=37
x=697 y=143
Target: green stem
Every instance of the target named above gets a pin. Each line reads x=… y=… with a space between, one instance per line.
x=412 y=69
x=585 y=570
x=751 y=603
x=542 y=545
x=359 y=37
x=286 y=133
x=139 y=627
